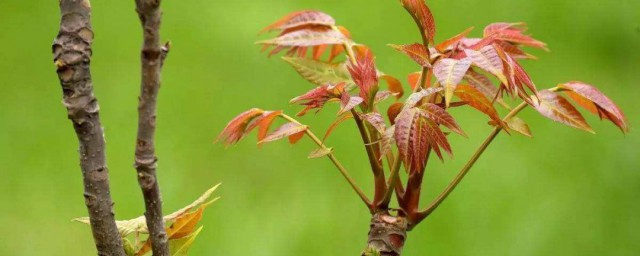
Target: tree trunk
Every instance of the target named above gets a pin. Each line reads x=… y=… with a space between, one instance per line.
x=72 y=56
x=387 y=235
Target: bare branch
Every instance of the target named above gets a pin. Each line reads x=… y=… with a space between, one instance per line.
x=72 y=56
x=152 y=57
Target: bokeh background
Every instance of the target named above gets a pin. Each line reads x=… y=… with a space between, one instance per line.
x=565 y=192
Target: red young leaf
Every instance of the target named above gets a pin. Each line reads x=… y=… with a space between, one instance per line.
x=437 y=139
x=299 y=41
x=386 y=140
x=513 y=50
x=596 y=102
x=440 y=116
x=516 y=77
x=393 y=111
x=413 y=79
x=485 y=86
x=416 y=52
x=347 y=103
x=307 y=37
x=416 y=97
x=382 y=95
x=335 y=124
x=415 y=134
x=263 y=122
x=477 y=100
x=237 y=127
x=454 y=40
x=394 y=85
x=316 y=98
x=299 y=19
x=286 y=130
x=512 y=33
x=449 y=73
x=365 y=75
x=294 y=138
x=376 y=120
x=557 y=108
x=423 y=18
x=488 y=59
x=499 y=26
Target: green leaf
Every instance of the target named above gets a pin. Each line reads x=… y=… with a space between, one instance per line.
x=518 y=125
x=129 y=248
x=320 y=152
x=320 y=73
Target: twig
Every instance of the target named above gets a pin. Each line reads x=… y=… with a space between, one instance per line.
x=152 y=58
x=337 y=163
x=72 y=56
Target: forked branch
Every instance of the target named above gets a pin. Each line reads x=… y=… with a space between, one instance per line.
x=72 y=56
x=152 y=57
x=443 y=195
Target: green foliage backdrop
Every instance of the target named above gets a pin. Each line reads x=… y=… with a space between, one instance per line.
x=565 y=192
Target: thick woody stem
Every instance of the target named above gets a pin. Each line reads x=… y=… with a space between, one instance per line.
x=72 y=56
x=152 y=57
x=387 y=235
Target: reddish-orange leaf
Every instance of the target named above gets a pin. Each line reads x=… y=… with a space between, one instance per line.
x=393 y=111
x=335 y=124
x=423 y=18
x=294 y=138
x=440 y=116
x=454 y=40
x=413 y=79
x=416 y=52
x=237 y=127
x=283 y=131
x=336 y=50
x=301 y=18
x=449 y=73
x=263 y=122
x=477 y=100
x=394 y=85
x=596 y=102
x=318 y=51
x=557 y=108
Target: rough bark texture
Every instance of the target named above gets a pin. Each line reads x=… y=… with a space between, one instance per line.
x=152 y=57
x=72 y=56
x=387 y=235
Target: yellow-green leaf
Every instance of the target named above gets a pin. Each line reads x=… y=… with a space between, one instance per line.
x=180 y=247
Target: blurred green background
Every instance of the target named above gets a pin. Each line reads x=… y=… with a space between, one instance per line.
x=565 y=192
